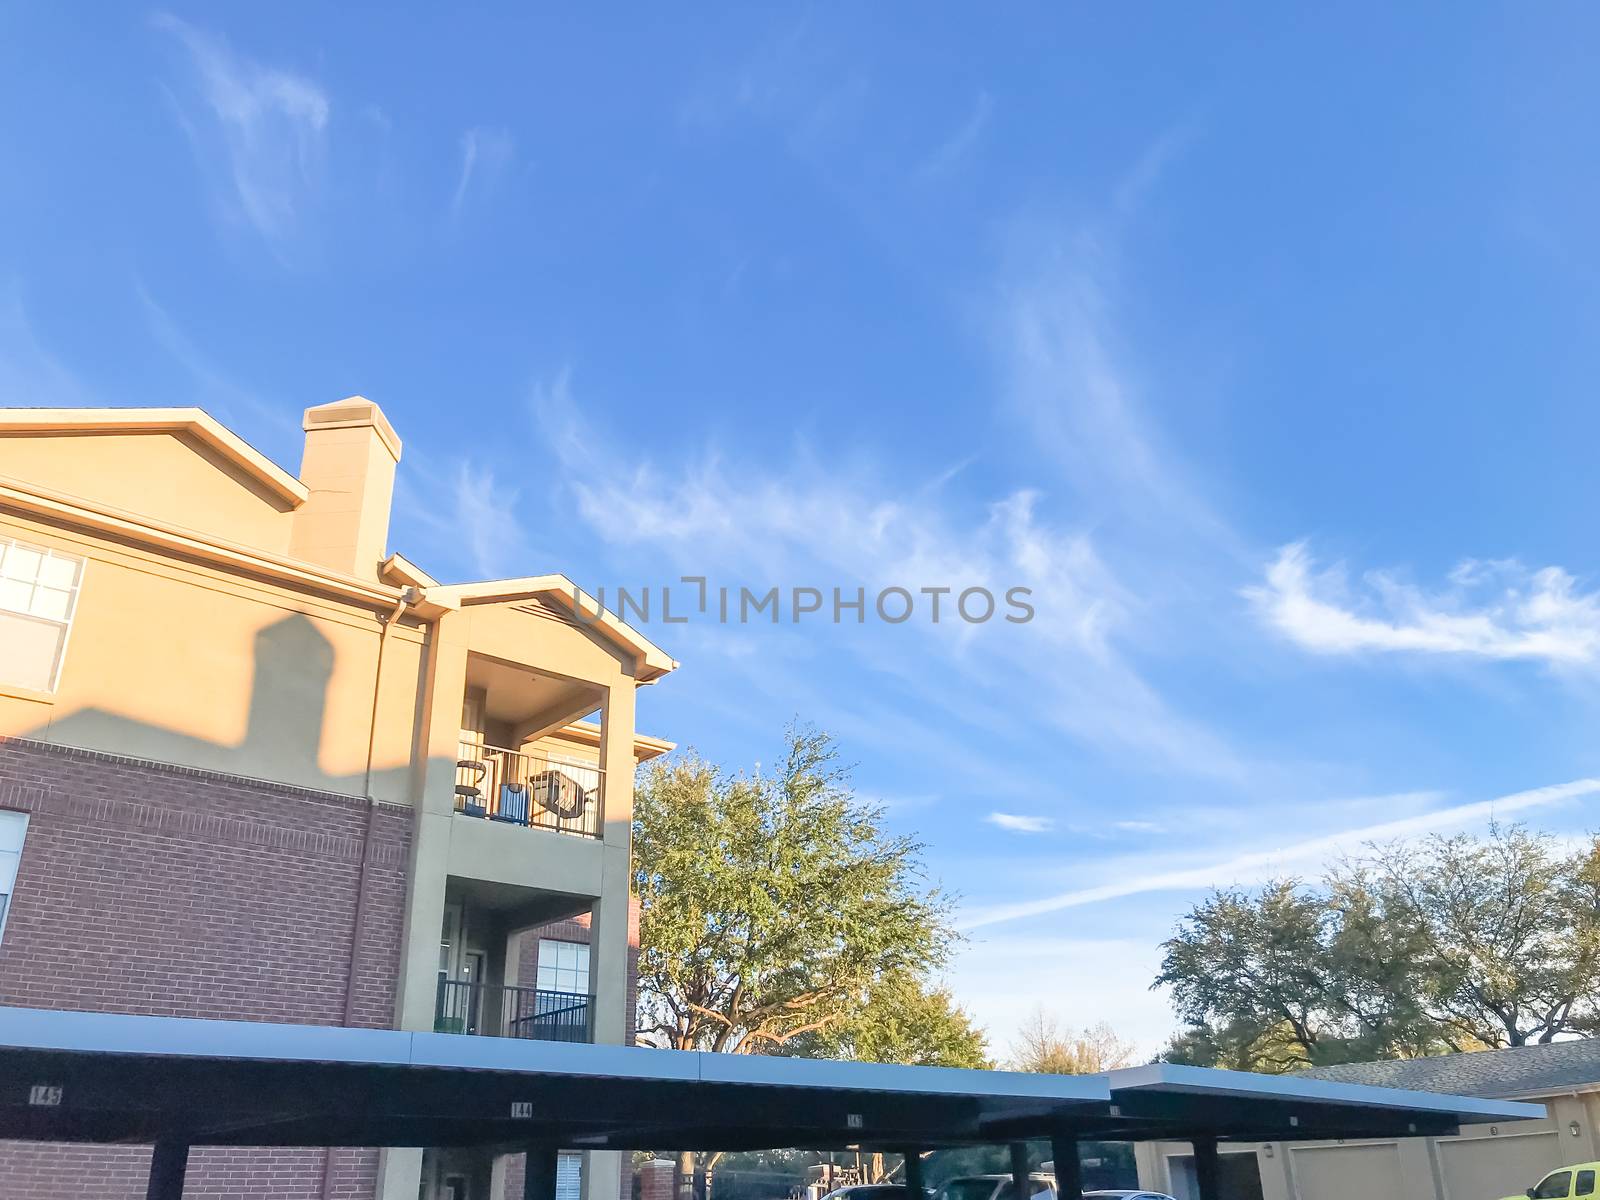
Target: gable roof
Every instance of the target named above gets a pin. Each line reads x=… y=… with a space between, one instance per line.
x=577 y=605
x=195 y=422
x=1516 y=1071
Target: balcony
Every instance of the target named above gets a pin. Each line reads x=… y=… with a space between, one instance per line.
x=529 y=789
x=515 y=1012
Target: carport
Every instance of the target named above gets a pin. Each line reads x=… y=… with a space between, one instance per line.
x=175 y=1083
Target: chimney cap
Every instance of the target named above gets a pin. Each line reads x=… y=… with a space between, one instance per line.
x=353 y=412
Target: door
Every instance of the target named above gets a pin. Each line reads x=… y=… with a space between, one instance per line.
x=462 y=968
x=1483 y=1168
x=1368 y=1172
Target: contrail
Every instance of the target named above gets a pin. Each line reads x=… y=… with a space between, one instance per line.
x=1229 y=868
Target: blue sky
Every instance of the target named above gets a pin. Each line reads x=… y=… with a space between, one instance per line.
x=1258 y=343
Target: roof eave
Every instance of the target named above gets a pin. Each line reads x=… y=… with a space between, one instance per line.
x=653 y=662
x=194 y=421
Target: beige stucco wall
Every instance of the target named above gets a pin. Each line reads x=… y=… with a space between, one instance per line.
x=182 y=663
x=1484 y=1162
x=170 y=477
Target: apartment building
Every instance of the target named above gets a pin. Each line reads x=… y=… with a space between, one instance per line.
x=256 y=766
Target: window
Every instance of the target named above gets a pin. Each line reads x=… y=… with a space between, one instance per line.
x=13 y=827
x=569 y=1171
x=1585 y=1184
x=38 y=593
x=1552 y=1187
x=563 y=967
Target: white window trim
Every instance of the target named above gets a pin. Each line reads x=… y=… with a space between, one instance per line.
x=66 y=624
x=10 y=885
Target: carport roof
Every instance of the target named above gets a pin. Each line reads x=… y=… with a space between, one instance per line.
x=134 y=1079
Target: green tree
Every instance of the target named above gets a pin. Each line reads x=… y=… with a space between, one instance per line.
x=901 y=1019
x=1507 y=933
x=1450 y=943
x=777 y=916
x=769 y=904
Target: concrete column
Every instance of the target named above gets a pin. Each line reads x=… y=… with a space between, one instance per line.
x=609 y=919
x=1150 y=1160
x=1207 y=1170
x=608 y=962
x=399 y=1172
x=1069 y=1170
x=433 y=772
x=539 y=1174
x=169 y=1162
x=1019 y=1170
x=433 y=798
x=602 y=1174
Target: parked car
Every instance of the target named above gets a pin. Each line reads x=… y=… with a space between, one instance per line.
x=1568 y=1183
x=1112 y=1194
x=995 y=1187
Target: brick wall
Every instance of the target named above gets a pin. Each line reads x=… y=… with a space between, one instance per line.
x=172 y=891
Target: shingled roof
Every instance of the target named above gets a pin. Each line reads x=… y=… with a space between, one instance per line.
x=1518 y=1071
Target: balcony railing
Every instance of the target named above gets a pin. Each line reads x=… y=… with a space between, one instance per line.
x=517 y=1012
x=518 y=788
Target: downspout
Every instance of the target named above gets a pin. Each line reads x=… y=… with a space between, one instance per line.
x=407 y=598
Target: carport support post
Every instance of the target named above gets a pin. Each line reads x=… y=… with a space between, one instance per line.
x=539 y=1173
x=1207 y=1169
x=169 y=1162
x=1069 y=1174
x=913 y=1173
x=1019 y=1170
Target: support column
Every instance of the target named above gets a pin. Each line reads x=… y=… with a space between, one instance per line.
x=1069 y=1171
x=169 y=1162
x=610 y=923
x=609 y=920
x=1019 y=1170
x=434 y=756
x=539 y=1173
x=914 y=1187
x=1207 y=1169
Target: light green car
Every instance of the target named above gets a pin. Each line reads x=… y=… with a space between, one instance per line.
x=1569 y=1183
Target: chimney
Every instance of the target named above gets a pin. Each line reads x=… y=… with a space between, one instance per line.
x=351 y=452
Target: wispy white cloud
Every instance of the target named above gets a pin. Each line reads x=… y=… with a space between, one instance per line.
x=31 y=374
x=1018 y=823
x=1258 y=865
x=802 y=520
x=961 y=140
x=485 y=154
x=484 y=522
x=1490 y=610
x=1138 y=826
x=260 y=130
x=271 y=424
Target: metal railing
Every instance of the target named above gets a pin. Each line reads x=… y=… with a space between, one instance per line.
x=510 y=1011
x=536 y=790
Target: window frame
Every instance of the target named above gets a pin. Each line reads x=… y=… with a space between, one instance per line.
x=14 y=818
x=582 y=950
x=80 y=563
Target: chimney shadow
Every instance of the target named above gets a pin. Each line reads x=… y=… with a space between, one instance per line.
x=285 y=725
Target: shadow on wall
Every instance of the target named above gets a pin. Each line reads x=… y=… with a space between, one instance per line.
x=293 y=663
